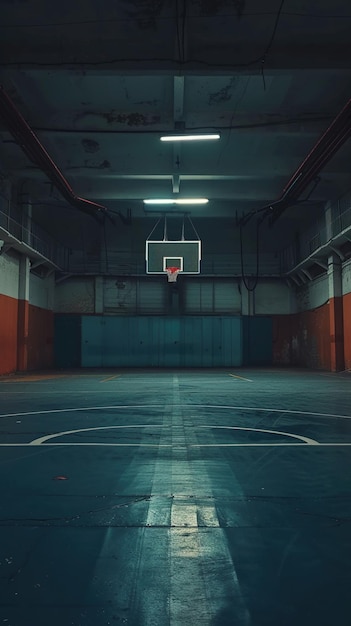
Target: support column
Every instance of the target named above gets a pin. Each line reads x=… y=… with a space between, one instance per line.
x=99 y=295
x=336 y=318
x=27 y=235
x=23 y=315
x=247 y=300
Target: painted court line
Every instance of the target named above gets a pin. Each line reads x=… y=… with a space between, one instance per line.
x=106 y=380
x=176 y=446
x=85 y=408
x=311 y=442
x=241 y=378
x=161 y=406
x=40 y=440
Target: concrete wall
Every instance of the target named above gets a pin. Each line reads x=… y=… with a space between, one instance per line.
x=75 y=295
x=273 y=297
x=313 y=294
x=150 y=295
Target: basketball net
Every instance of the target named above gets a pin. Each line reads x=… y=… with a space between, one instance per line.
x=172 y=274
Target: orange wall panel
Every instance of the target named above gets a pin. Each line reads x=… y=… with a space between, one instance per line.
x=282 y=339
x=347 y=330
x=314 y=338
x=303 y=339
x=8 y=334
x=22 y=335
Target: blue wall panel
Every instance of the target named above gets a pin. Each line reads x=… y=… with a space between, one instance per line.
x=161 y=341
x=192 y=342
x=92 y=341
x=67 y=341
x=258 y=340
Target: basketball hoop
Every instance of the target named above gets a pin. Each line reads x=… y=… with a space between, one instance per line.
x=172 y=274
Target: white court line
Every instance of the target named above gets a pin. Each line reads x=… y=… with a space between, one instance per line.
x=40 y=440
x=106 y=380
x=176 y=446
x=84 y=408
x=241 y=378
x=160 y=406
x=311 y=442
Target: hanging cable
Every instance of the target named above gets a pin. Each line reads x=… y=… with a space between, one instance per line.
x=270 y=43
x=183 y=228
x=263 y=75
x=193 y=227
x=183 y=30
x=154 y=228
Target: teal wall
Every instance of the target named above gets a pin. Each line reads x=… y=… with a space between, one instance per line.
x=257 y=340
x=67 y=341
x=162 y=341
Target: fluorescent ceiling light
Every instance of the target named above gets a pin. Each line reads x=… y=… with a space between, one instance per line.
x=176 y=201
x=189 y=137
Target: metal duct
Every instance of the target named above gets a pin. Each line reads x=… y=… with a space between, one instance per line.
x=330 y=142
x=35 y=151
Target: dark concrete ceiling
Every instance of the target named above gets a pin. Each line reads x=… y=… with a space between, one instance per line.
x=99 y=82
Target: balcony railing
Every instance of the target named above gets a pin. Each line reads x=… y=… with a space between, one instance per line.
x=319 y=236
x=36 y=238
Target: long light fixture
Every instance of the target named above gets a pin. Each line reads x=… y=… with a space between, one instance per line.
x=190 y=137
x=176 y=201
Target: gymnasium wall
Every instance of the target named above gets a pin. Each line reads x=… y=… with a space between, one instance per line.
x=346 y=302
x=162 y=341
x=153 y=295
x=41 y=323
x=144 y=321
x=318 y=335
x=9 y=274
x=302 y=339
x=26 y=325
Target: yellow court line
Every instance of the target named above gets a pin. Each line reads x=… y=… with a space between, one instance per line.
x=241 y=378
x=110 y=378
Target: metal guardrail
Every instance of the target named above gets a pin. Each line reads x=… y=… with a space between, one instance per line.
x=318 y=236
x=36 y=238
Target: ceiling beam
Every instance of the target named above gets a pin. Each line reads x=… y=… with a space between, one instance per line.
x=178 y=120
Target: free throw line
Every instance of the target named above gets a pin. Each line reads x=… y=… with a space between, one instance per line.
x=241 y=378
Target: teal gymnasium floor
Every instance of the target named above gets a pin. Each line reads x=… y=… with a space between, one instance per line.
x=175 y=498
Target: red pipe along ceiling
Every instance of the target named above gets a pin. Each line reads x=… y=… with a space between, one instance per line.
x=329 y=143
x=35 y=151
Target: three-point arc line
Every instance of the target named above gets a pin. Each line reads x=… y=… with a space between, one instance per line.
x=41 y=440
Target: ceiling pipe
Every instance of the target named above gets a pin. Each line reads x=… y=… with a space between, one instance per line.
x=35 y=151
x=326 y=147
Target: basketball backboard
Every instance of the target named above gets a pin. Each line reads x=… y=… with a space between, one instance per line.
x=183 y=254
